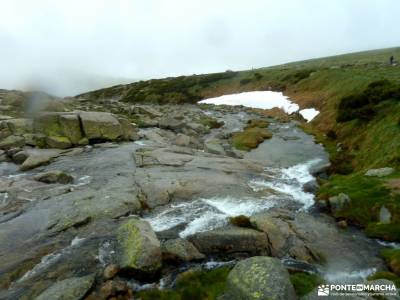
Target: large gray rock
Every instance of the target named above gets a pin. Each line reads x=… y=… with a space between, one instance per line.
x=20 y=126
x=385 y=215
x=12 y=141
x=231 y=240
x=71 y=128
x=214 y=146
x=283 y=237
x=39 y=158
x=138 y=247
x=337 y=203
x=180 y=249
x=259 y=278
x=174 y=124
x=101 y=126
x=379 y=172
x=68 y=289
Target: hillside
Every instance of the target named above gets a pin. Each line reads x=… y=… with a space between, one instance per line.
x=367 y=137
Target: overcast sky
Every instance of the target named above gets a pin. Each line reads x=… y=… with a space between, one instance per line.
x=71 y=46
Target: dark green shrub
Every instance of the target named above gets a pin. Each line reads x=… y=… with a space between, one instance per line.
x=363 y=106
x=245 y=81
x=258 y=76
x=342 y=164
x=331 y=134
x=297 y=76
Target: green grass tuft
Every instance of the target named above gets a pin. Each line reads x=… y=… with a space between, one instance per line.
x=304 y=283
x=194 y=285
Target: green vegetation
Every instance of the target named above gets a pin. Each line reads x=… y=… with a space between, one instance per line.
x=392 y=258
x=250 y=138
x=256 y=123
x=241 y=221
x=297 y=75
x=253 y=134
x=176 y=90
x=194 y=285
x=368 y=195
x=364 y=105
x=386 y=275
x=304 y=283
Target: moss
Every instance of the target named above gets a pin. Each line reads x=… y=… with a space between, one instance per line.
x=195 y=285
x=250 y=138
x=386 y=275
x=392 y=258
x=304 y=283
x=241 y=221
x=130 y=239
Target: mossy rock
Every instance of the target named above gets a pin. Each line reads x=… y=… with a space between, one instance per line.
x=101 y=126
x=250 y=138
x=138 y=247
x=58 y=142
x=259 y=277
x=12 y=141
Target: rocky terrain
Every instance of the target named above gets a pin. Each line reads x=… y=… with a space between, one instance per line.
x=109 y=200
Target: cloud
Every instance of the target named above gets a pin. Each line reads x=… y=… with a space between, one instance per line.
x=70 y=46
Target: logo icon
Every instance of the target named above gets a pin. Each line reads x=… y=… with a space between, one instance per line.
x=323 y=290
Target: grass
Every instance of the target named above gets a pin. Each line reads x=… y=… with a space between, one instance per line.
x=194 y=285
x=304 y=283
x=368 y=195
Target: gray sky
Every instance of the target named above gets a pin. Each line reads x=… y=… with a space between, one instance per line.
x=71 y=46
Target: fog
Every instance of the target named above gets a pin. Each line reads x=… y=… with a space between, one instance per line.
x=70 y=46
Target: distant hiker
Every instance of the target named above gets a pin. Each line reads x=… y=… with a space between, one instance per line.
x=391 y=60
